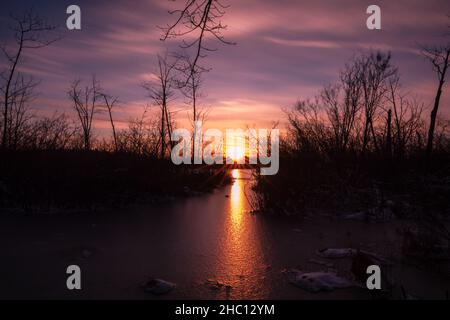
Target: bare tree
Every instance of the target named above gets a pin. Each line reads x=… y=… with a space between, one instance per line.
x=190 y=85
x=365 y=106
x=134 y=138
x=19 y=115
x=342 y=114
x=440 y=59
x=201 y=18
x=110 y=102
x=85 y=104
x=309 y=126
x=30 y=32
x=142 y=136
x=360 y=93
x=375 y=71
x=407 y=118
x=162 y=92
x=442 y=133
x=50 y=133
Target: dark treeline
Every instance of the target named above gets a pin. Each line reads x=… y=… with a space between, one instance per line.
x=44 y=181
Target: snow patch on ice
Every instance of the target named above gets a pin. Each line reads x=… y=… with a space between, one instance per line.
x=158 y=286
x=336 y=253
x=317 y=281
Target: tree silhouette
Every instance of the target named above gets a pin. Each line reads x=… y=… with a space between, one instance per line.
x=30 y=32
x=161 y=92
x=110 y=102
x=439 y=57
x=199 y=17
x=85 y=103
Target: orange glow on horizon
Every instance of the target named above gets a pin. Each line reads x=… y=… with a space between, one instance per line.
x=236 y=152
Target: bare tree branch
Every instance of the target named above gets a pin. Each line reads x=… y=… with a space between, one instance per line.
x=30 y=32
x=162 y=92
x=202 y=18
x=439 y=57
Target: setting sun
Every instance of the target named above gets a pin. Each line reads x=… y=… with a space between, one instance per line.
x=236 y=152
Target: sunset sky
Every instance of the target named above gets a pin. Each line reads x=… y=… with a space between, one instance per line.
x=286 y=50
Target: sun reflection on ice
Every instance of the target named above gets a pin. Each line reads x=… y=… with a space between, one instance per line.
x=237 y=203
x=235 y=173
x=242 y=263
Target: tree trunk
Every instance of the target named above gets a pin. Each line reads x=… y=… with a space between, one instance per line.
x=435 y=110
x=8 y=86
x=389 y=134
x=163 y=134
